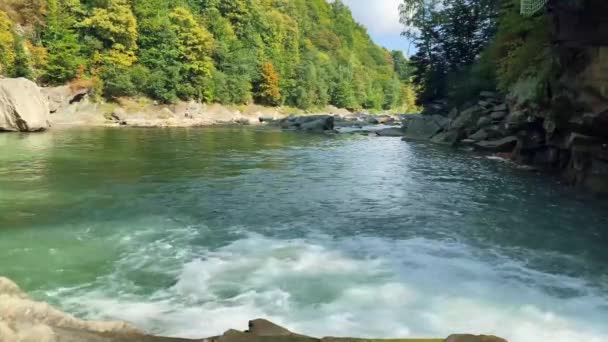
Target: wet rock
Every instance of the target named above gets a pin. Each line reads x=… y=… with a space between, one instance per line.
x=22 y=106
x=506 y=144
x=485 y=104
x=453 y=114
x=503 y=107
x=312 y=123
x=424 y=126
x=484 y=121
x=447 y=138
x=468 y=118
x=480 y=135
x=497 y=116
x=390 y=132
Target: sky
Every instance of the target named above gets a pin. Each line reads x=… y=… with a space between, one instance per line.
x=381 y=17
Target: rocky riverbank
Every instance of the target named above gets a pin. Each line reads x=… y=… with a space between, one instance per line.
x=23 y=319
x=27 y=108
x=569 y=138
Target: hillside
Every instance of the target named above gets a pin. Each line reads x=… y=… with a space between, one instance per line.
x=301 y=53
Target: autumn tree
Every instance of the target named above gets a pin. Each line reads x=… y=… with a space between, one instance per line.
x=7 y=43
x=269 y=92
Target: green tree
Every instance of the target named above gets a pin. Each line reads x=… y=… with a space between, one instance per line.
x=62 y=43
x=7 y=42
x=115 y=26
x=195 y=46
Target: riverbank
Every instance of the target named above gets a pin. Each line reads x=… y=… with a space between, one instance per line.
x=23 y=319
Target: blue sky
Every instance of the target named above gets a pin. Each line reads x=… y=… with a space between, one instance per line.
x=381 y=17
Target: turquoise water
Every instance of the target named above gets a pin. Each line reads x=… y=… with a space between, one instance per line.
x=189 y=232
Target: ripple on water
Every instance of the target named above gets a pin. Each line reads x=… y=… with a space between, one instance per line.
x=192 y=232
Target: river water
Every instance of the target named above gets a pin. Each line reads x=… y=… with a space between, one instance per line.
x=190 y=232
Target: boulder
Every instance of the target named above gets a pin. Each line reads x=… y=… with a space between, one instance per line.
x=484 y=121
x=22 y=106
x=515 y=120
x=312 y=123
x=424 y=126
x=480 y=135
x=473 y=338
x=497 y=116
x=503 y=107
x=453 y=113
x=468 y=118
x=506 y=144
x=386 y=120
x=60 y=97
x=390 y=132
x=447 y=138
x=318 y=125
x=485 y=104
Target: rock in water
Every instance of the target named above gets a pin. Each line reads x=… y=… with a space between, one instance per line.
x=501 y=145
x=390 y=132
x=23 y=108
x=424 y=126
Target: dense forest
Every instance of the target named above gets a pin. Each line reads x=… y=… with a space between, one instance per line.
x=468 y=46
x=302 y=53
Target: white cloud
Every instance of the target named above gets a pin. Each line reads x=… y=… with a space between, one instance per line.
x=379 y=16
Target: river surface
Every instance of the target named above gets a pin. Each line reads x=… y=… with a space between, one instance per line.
x=190 y=232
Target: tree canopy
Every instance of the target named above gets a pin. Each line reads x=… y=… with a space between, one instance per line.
x=304 y=53
x=465 y=46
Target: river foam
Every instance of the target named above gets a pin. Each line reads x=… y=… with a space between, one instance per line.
x=363 y=286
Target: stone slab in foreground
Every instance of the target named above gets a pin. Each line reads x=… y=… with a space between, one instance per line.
x=25 y=320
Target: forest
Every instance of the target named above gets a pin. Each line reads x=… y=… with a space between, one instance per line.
x=464 y=47
x=300 y=53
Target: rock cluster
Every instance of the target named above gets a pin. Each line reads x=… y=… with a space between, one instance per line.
x=569 y=136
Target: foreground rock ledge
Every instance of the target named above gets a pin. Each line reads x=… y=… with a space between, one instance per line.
x=25 y=320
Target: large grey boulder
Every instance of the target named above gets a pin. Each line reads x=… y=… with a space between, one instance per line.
x=23 y=108
x=424 y=126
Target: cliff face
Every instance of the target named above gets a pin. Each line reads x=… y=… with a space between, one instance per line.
x=574 y=125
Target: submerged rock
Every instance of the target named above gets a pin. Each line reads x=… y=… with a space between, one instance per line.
x=23 y=108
